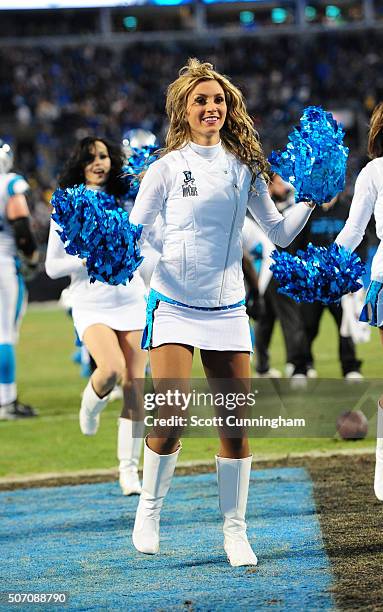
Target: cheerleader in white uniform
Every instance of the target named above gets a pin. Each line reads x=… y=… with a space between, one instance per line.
x=368 y=201
x=211 y=170
x=109 y=320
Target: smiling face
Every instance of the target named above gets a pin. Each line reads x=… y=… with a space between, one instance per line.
x=206 y=112
x=97 y=170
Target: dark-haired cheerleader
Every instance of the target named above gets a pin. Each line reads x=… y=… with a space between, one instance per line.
x=108 y=319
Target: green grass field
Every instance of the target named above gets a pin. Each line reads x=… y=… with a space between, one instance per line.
x=49 y=380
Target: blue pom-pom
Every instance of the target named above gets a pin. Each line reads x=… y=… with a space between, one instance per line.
x=138 y=162
x=315 y=159
x=94 y=228
x=318 y=274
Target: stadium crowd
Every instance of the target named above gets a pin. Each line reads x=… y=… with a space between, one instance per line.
x=51 y=97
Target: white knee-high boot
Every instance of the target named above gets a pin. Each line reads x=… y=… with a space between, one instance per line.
x=233 y=487
x=378 y=481
x=158 y=472
x=129 y=444
x=91 y=406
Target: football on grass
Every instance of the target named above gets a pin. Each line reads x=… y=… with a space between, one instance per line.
x=352 y=425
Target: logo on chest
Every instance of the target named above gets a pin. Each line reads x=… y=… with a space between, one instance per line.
x=189 y=188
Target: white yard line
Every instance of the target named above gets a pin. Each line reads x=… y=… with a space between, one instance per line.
x=111 y=473
x=48 y=305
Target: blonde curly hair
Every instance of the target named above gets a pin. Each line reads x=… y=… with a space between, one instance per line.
x=375 y=135
x=238 y=134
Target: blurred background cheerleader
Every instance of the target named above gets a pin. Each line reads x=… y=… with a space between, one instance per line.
x=368 y=201
x=108 y=319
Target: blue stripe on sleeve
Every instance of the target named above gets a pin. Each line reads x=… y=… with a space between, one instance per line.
x=12 y=183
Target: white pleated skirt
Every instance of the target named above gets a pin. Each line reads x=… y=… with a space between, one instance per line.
x=217 y=330
x=127 y=317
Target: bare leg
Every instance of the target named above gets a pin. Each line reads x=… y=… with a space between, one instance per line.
x=135 y=362
x=378 y=481
x=170 y=364
x=102 y=343
x=171 y=368
x=131 y=425
x=231 y=370
x=234 y=367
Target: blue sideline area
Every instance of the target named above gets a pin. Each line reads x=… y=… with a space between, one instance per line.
x=76 y=539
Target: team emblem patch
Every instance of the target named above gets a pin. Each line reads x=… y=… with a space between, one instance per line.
x=189 y=188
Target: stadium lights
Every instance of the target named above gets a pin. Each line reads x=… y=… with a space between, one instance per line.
x=246 y=18
x=333 y=12
x=169 y=2
x=66 y=4
x=130 y=22
x=278 y=15
x=310 y=13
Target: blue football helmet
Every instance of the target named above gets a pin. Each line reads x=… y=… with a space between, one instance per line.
x=137 y=139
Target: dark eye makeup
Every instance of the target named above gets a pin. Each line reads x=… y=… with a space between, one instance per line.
x=92 y=157
x=203 y=99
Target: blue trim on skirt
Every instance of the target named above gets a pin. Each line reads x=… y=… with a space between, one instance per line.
x=154 y=298
x=369 y=312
